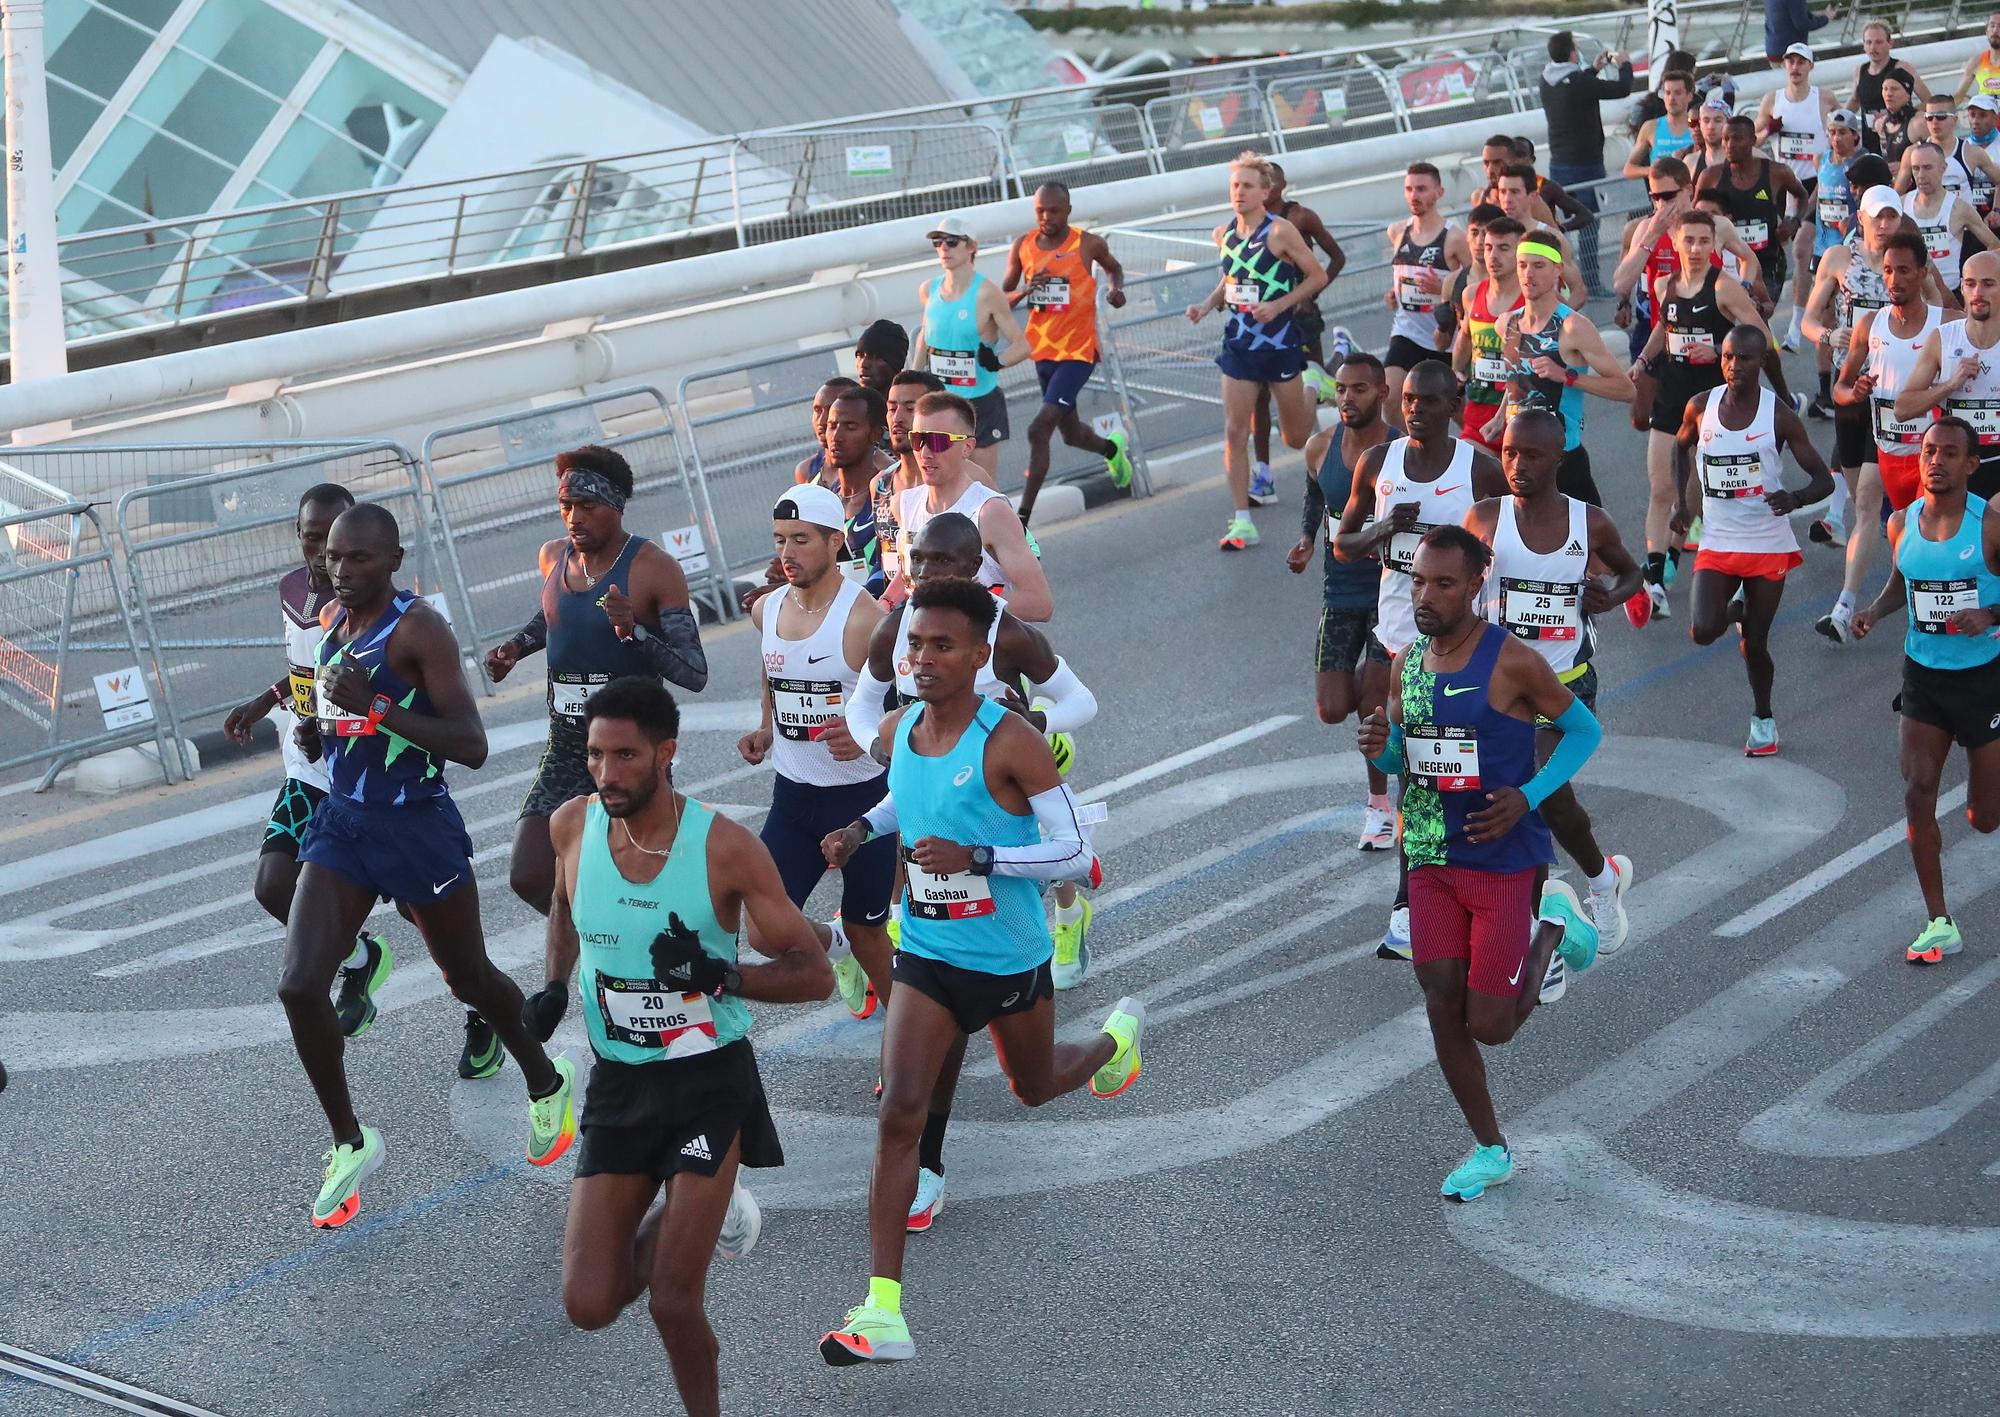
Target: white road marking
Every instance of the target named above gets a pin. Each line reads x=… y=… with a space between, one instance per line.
x=1193 y=755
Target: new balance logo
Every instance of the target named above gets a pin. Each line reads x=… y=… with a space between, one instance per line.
x=698 y=1148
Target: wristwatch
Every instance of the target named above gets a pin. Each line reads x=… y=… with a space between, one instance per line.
x=982 y=861
x=1569 y=378
x=378 y=709
x=732 y=979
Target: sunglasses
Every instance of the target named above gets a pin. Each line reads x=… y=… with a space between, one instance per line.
x=1659 y=197
x=931 y=440
x=1939 y=117
x=946 y=243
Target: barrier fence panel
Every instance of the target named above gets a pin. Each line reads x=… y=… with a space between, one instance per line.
x=793 y=184
x=66 y=630
x=204 y=556
x=1080 y=146
x=493 y=488
x=1332 y=106
x=1211 y=126
x=1454 y=88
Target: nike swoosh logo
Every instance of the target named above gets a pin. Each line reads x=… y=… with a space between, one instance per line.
x=357 y=653
x=1453 y=689
x=1440 y=491
x=439 y=889
x=1696 y=309
x=1517 y=972
x=1751 y=437
x=816 y=658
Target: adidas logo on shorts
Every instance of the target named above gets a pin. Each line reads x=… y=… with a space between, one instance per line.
x=698 y=1148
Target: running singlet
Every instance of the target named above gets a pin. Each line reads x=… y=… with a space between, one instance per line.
x=1739 y=468
x=1755 y=213
x=1944 y=577
x=882 y=492
x=1979 y=187
x=1861 y=289
x=986 y=683
x=1986 y=74
x=1939 y=239
x=810 y=683
x=1891 y=359
x=584 y=652
x=1832 y=212
x=1978 y=403
x=1528 y=389
x=1347 y=585
x=992 y=924
x=911 y=516
x=373 y=768
x=1694 y=324
x=1254 y=275
x=301 y=606
x=1457 y=748
x=1486 y=384
x=1415 y=318
x=1668 y=143
x=951 y=339
x=630 y=1015
x=1801 y=137
x=1537 y=596
x=1062 y=311
x=1441 y=503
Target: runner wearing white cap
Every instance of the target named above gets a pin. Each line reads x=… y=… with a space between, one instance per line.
x=967 y=335
x=1794 y=119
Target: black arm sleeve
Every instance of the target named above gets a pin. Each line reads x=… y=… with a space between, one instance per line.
x=534 y=635
x=1313 y=517
x=672 y=650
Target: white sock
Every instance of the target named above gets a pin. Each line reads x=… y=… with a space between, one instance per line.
x=1071 y=913
x=1604 y=880
x=1243 y=514
x=1379 y=801
x=840 y=947
x=1846 y=601
x=360 y=956
x=1836 y=507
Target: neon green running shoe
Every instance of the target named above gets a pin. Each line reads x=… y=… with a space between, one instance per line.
x=870 y=1335
x=1239 y=535
x=346 y=1167
x=1939 y=938
x=1485 y=1166
x=1119 y=462
x=1319 y=384
x=855 y=990
x=1072 y=961
x=1127 y=1022
x=482 y=1056
x=552 y=1119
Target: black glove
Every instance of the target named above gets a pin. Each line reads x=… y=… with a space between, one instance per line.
x=988 y=359
x=542 y=1010
x=680 y=962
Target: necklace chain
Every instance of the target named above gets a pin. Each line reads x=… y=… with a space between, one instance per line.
x=638 y=845
x=583 y=564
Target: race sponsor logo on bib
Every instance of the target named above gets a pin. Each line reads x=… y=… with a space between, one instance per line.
x=302 y=692
x=960 y=896
x=801 y=709
x=1983 y=414
x=1891 y=429
x=1446 y=759
x=568 y=692
x=1933 y=603
x=1051 y=294
x=1541 y=610
x=1756 y=234
x=649 y=1014
x=1241 y=296
x=1728 y=475
x=956 y=366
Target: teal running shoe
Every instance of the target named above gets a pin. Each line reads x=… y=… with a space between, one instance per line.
x=1579 y=941
x=1486 y=1166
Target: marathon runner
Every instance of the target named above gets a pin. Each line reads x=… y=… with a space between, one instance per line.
x=1833 y=219
x=1669 y=135
x=880 y=353
x=652 y=909
x=1056 y=703
x=1424 y=249
x=966 y=322
x=1347 y=678
x=1312 y=324
x=1982 y=114
x=1982 y=70
x=1512 y=192
x=907 y=387
x=1944 y=555
x=812 y=467
x=1731 y=445
x=393 y=707
x=1403 y=488
x=1495 y=158
x=1542 y=592
x=816 y=631
x=1794 y=121
x=1476 y=351
x=1461 y=725
x=1711 y=126
x=612 y=604
x=983 y=815
x=302 y=594
x=1946 y=220
x=1554 y=357
x=1451 y=305
x=853 y=446
x=942 y=435
x=1757 y=193
x=1877 y=61
x=1268 y=273
x=1957 y=370
x=1056 y=259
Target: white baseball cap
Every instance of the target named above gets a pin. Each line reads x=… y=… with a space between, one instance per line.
x=1984 y=100
x=1804 y=51
x=953 y=225
x=1876 y=199
x=813 y=504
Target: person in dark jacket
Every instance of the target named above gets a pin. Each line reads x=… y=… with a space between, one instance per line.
x=1570 y=95
x=1789 y=22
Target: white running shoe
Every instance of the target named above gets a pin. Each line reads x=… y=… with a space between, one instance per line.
x=741 y=1225
x=1607 y=908
x=1396 y=941
x=1555 y=983
x=1837 y=624
x=928 y=1203
x=1378 y=830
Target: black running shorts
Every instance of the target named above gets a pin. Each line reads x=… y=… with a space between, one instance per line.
x=658 y=1119
x=1963 y=702
x=564 y=772
x=972 y=998
x=291 y=814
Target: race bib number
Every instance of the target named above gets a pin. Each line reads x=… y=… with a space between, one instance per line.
x=1489 y=369
x=302 y=692
x=955 y=897
x=1728 y=475
x=1832 y=212
x=648 y=1014
x=1241 y=296
x=1541 y=610
x=1446 y=759
x=1756 y=234
x=802 y=708
x=1051 y=294
x=1939 y=241
x=339 y=720
x=567 y=696
x=1891 y=429
x=955 y=366
x=1411 y=293
x=1401 y=552
x=1983 y=414
x=1681 y=344
x=1793 y=146
x=1933 y=603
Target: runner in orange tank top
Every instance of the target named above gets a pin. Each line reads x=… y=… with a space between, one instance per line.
x=1057 y=261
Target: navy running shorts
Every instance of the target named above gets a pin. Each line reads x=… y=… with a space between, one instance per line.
x=1261 y=366
x=802 y=816
x=1062 y=380
x=417 y=853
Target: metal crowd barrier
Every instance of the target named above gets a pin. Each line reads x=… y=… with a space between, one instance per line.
x=65 y=628
x=493 y=487
x=797 y=183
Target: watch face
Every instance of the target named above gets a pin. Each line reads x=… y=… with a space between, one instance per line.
x=379 y=705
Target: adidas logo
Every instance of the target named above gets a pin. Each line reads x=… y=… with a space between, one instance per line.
x=1574 y=545
x=698 y=1148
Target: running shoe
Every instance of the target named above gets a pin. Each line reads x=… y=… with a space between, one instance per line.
x=855 y=990
x=482 y=1055
x=1663 y=608
x=929 y=1202
x=1671 y=572
x=1239 y=535
x=552 y=1119
x=1396 y=939
x=1607 y=908
x=1578 y=946
x=1127 y=1022
x=1485 y=1166
x=1118 y=462
x=1263 y=486
x=1033 y=545
x=1939 y=938
x=1072 y=961
x=1826 y=532
x=346 y=1168
x=354 y=1007
x=1763 y=740
x=1639 y=609
x=1837 y=624
x=894 y=929
x=871 y=1335
x=1555 y=981
x=1340 y=344
x=742 y=1223
x=1378 y=830
x=1064 y=748
x=1693 y=539
x=1821 y=407
x=1319 y=383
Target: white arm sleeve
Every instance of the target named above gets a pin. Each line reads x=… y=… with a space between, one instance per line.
x=1071 y=704
x=881 y=818
x=865 y=710
x=1062 y=854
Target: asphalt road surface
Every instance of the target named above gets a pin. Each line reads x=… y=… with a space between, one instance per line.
x=1758 y=1161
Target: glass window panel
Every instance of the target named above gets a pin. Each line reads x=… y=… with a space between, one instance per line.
x=204 y=106
x=154 y=174
x=153 y=14
x=126 y=264
x=382 y=115
x=251 y=38
x=58 y=19
x=310 y=162
x=70 y=116
x=98 y=53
